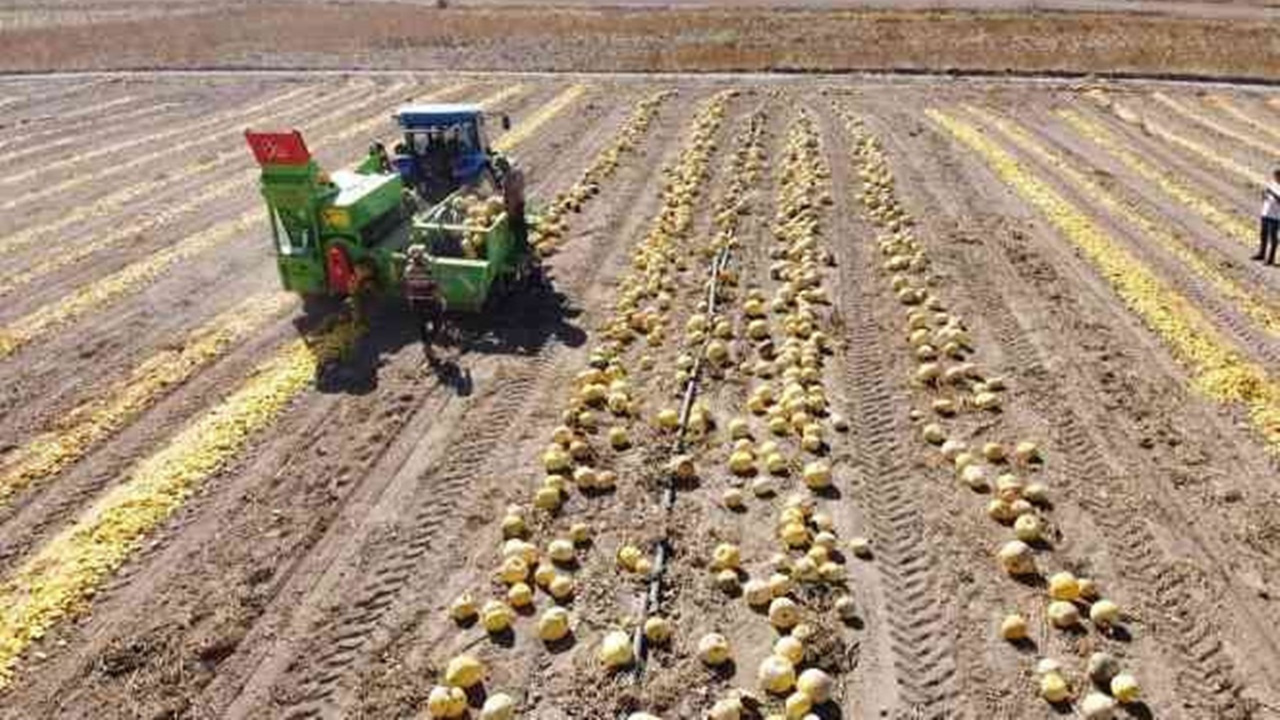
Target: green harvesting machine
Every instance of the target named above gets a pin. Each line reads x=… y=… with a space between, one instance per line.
x=444 y=205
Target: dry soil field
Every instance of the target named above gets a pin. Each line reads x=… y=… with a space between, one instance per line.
x=1113 y=38
x=825 y=347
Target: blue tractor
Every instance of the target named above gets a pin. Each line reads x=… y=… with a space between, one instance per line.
x=444 y=148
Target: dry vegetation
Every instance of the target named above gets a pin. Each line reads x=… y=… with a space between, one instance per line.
x=376 y=35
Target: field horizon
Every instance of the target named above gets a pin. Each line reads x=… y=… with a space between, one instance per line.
x=385 y=35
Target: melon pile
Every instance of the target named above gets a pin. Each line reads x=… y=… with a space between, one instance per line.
x=478 y=216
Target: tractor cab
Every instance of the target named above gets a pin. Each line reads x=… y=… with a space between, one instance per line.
x=443 y=147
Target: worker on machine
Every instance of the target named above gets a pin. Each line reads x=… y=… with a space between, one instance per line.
x=435 y=163
x=1270 y=231
x=511 y=180
x=422 y=294
x=380 y=160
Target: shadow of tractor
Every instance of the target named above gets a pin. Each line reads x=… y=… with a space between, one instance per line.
x=521 y=324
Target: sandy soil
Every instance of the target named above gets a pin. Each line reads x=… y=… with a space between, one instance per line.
x=311 y=575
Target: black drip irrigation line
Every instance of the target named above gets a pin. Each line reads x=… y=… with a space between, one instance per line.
x=662 y=553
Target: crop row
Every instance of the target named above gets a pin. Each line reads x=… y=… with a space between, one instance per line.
x=61 y=577
x=160 y=219
x=1160 y=130
x=1203 y=120
x=1266 y=314
x=1218 y=370
x=955 y=387
x=793 y=581
x=1172 y=185
x=225 y=127
x=530 y=126
x=1254 y=122
x=211 y=128
x=34 y=143
x=786 y=591
x=125 y=198
x=155 y=221
x=100 y=417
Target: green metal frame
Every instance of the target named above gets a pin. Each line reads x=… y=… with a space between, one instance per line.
x=362 y=213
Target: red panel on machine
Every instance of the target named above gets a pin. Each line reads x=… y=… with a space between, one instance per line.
x=278 y=148
x=341 y=275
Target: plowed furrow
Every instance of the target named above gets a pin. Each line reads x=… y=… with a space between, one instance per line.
x=240 y=181
x=54 y=583
x=220 y=126
x=1179 y=140
x=1264 y=125
x=96 y=296
x=131 y=195
x=1197 y=278
x=1125 y=514
x=206 y=172
x=530 y=125
x=1230 y=223
x=47 y=94
x=59 y=578
x=1205 y=670
x=40 y=143
x=1216 y=367
x=100 y=416
x=1205 y=121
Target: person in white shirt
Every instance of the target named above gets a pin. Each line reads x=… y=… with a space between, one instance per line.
x=1270 y=220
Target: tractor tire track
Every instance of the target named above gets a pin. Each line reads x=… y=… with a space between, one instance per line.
x=917 y=630
x=1176 y=609
x=391 y=574
x=918 y=635
x=1205 y=669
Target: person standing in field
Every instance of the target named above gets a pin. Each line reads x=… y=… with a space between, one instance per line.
x=1270 y=220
